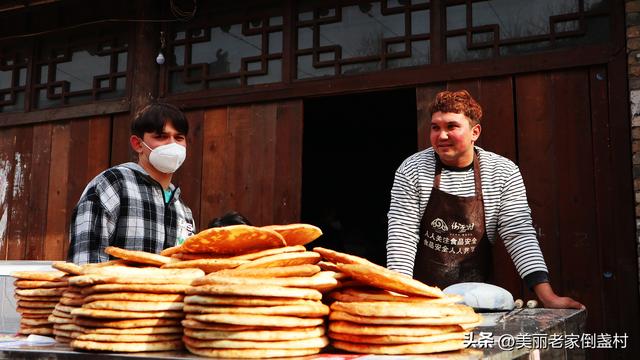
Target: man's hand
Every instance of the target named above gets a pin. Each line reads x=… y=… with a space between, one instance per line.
x=551 y=300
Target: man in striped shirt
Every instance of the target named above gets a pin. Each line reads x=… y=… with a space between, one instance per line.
x=450 y=201
x=134 y=205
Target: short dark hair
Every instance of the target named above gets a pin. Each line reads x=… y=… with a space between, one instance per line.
x=459 y=102
x=153 y=117
x=230 y=218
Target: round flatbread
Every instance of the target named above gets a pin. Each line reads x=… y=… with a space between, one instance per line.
x=34 y=322
x=118 y=314
x=39 y=275
x=400 y=309
x=195 y=324
x=337 y=257
x=286 y=259
x=269 y=252
x=67 y=267
x=136 y=331
x=296 y=234
x=257 y=320
x=36 y=330
x=135 y=296
x=313 y=282
x=125 y=324
x=37 y=304
x=382 y=278
x=36 y=298
x=133 y=305
x=250 y=353
x=234 y=239
x=36 y=284
x=126 y=337
x=55 y=319
x=449 y=320
x=404 y=349
x=41 y=292
x=362 y=294
x=23 y=310
x=141 y=257
x=347 y=327
x=317 y=342
x=316 y=309
x=243 y=300
x=206 y=265
x=257 y=290
x=257 y=335
x=126 y=346
x=305 y=270
x=71 y=302
x=396 y=339
x=143 y=288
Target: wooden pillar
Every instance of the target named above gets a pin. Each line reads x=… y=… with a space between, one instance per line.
x=145 y=71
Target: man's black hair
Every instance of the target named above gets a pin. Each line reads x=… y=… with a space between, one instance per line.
x=230 y=218
x=153 y=117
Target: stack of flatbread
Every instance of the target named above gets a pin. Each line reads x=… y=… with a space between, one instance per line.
x=126 y=308
x=384 y=312
x=38 y=293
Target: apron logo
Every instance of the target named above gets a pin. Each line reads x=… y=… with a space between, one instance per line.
x=439 y=225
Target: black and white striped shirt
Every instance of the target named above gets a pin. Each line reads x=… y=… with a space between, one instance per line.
x=506 y=209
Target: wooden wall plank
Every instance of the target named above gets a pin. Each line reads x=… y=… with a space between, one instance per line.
x=243 y=192
x=424 y=97
x=7 y=143
x=121 y=151
x=263 y=172
x=18 y=224
x=288 y=163
x=216 y=164
x=189 y=176
x=57 y=197
x=38 y=191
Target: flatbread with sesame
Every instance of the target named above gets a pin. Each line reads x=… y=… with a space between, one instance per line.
x=372 y=294
x=280 y=260
x=337 y=257
x=36 y=284
x=126 y=337
x=403 y=349
x=39 y=275
x=67 y=267
x=381 y=320
x=206 y=265
x=380 y=277
x=257 y=335
x=125 y=324
x=296 y=234
x=37 y=304
x=41 y=292
x=136 y=331
x=133 y=305
x=121 y=314
x=397 y=339
x=135 y=296
x=34 y=322
x=143 y=288
x=346 y=327
x=311 y=309
x=234 y=239
x=273 y=272
x=312 y=282
x=141 y=257
x=195 y=324
x=243 y=300
x=400 y=309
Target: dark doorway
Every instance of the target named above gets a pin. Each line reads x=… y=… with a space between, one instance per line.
x=352 y=146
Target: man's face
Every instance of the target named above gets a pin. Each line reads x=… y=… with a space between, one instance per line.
x=452 y=138
x=168 y=135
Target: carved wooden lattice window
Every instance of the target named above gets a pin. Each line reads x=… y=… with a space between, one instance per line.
x=73 y=72
x=364 y=37
x=483 y=29
x=235 y=55
x=13 y=80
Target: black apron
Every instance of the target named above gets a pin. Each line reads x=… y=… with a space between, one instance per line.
x=453 y=245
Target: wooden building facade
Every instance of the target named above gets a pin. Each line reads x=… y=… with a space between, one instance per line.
x=302 y=111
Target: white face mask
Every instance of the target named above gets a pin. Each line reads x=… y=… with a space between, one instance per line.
x=167 y=158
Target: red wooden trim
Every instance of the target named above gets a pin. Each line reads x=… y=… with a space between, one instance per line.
x=68 y=112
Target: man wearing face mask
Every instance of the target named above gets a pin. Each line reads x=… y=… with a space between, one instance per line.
x=134 y=205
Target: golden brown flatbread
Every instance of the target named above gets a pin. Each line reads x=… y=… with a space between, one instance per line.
x=67 y=267
x=125 y=324
x=269 y=252
x=364 y=294
x=37 y=304
x=206 y=265
x=347 y=327
x=257 y=290
x=234 y=239
x=23 y=310
x=36 y=284
x=449 y=320
x=286 y=259
x=135 y=296
x=39 y=275
x=250 y=353
x=273 y=272
x=382 y=278
x=34 y=322
x=257 y=320
x=71 y=302
x=257 y=335
x=396 y=339
x=136 y=331
x=143 y=288
x=313 y=282
x=127 y=346
x=296 y=234
x=133 y=305
x=37 y=330
x=243 y=300
x=126 y=275
x=126 y=337
x=141 y=257
x=337 y=257
x=317 y=342
x=316 y=309
x=36 y=298
x=404 y=349
x=400 y=309
x=121 y=314
x=41 y=292
x=195 y=324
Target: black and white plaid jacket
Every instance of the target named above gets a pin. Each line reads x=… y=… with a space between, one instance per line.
x=124 y=207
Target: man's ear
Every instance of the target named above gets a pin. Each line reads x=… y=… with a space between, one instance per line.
x=136 y=144
x=475 y=132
